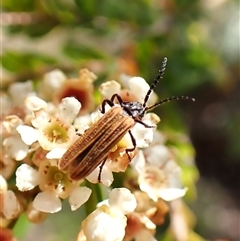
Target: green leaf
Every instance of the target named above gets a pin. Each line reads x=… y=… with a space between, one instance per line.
x=33 y=30
x=189 y=177
x=21 y=227
x=24 y=62
x=17 y=6
x=82 y=52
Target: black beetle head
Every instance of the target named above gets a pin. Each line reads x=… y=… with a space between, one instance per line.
x=134 y=109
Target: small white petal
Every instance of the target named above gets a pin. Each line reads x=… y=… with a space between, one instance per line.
x=171 y=167
x=123 y=79
x=106 y=176
x=15 y=147
x=47 y=202
x=148 y=223
x=138 y=162
x=34 y=103
x=52 y=81
x=93 y=176
x=83 y=120
x=11 y=122
x=171 y=194
x=79 y=196
x=123 y=200
x=143 y=135
x=28 y=134
x=68 y=109
x=103 y=202
x=140 y=86
x=82 y=123
x=152 y=117
x=157 y=155
x=3 y=184
x=103 y=225
x=109 y=88
x=56 y=153
x=158 y=138
x=26 y=177
x=5 y=103
x=151 y=180
x=11 y=206
x=81 y=128
x=40 y=118
x=95 y=116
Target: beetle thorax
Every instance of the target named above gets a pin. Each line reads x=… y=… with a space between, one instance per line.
x=134 y=109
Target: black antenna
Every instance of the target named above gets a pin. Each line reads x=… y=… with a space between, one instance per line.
x=156 y=80
x=153 y=85
x=169 y=99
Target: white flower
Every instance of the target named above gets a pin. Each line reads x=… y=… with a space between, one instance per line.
x=158 y=175
x=52 y=128
x=108 y=221
x=54 y=186
x=55 y=134
x=160 y=183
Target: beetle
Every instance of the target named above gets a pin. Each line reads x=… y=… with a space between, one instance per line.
x=93 y=147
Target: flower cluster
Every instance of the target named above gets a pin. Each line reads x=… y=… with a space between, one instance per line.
x=39 y=125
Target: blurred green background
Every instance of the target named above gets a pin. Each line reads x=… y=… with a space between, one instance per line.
x=200 y=38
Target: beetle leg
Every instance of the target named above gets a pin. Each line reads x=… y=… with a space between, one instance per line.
x=144 y=124
x=134 y=145
x=100 y=171
x=106 y=101
x=118 y=97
